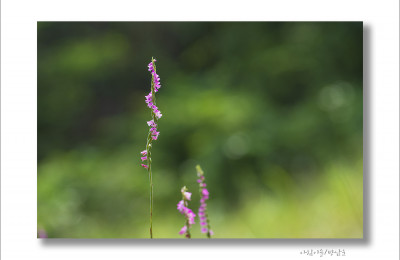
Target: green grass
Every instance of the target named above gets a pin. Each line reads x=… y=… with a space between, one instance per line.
x=90 y=195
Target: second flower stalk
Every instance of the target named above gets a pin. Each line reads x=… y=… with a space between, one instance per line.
x=189 y=214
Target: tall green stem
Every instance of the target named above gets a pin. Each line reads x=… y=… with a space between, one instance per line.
x=148 y=148
x=151 y=203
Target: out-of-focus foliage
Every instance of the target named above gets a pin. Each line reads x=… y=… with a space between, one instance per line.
x=271 y=111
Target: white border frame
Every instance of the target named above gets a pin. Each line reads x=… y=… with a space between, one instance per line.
x=19 y=121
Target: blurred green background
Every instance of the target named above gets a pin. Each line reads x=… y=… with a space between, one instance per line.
x=272 y=112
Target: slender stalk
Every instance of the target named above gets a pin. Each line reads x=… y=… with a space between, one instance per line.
x=148 y=148
x=153 y=134
x=151 y=204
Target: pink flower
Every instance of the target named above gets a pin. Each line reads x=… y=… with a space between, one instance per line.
x=145 y=166
x=149 y=98
x=154 y=132
x=191 y=221
x=151 y=123
x=157 y=86
x=158 y=114
x=181 y=206
x=187 y=195
x=183 y=230
x=156 y=77
x=150 y=66
x=144 y=152
x=144 y=158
